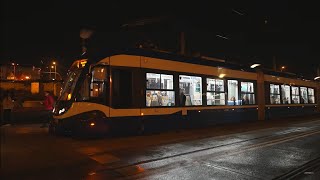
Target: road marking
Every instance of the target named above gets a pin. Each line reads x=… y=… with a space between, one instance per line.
x=105 y=158
x=130 y=170
x=91 y=150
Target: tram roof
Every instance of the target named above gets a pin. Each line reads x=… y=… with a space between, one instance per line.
x=176 y=57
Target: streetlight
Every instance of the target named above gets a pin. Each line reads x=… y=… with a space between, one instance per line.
x=55 y=69
x=14 y=71
x=282 y=68
x=52 y=68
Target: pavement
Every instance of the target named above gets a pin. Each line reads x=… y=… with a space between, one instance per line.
x=28 y=115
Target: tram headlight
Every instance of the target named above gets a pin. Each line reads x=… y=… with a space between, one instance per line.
x=62 y=110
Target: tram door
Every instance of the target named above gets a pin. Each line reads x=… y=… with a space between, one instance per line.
x=122 y=88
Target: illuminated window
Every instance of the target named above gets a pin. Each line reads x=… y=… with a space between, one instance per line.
x=311 y=95
x=215 y=92
x=274 y=94
x=98 y=81
x=190 y=88
x=233 y=98
x=304 y=95
x=159 y=90
x=247 y=93
x=295 y=95
x=285 y=93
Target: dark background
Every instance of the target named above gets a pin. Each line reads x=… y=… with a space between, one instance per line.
x=256 y=31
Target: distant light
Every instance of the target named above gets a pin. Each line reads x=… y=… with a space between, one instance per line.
x=255 y=65
x=53 y=63
x=241 y=14
x=27 y=77
x=199 y=111
x=12 y=64
x=69 y=96
x=222 y=37
x=142 y=114
x=92 y=124
x=92 y=173
x=222 y=75
x=318 y=77
x=52 y=67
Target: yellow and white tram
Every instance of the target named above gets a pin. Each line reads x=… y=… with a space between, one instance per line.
x=136 y=90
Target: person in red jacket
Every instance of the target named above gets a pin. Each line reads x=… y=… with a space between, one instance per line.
x=48 y=103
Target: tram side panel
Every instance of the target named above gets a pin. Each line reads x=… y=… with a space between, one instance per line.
x=281 y=109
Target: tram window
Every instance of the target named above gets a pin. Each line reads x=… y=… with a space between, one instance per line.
x=215 y=92
x=99 y=78
x=158 y=90
x=295 y=95
x=233 y=98
x=166 y=81
x=247 y=93
x=97 y=89
x=304 y=95
x=84 y=90
x=285 y=92
x=159 y=98
x=274 y=94
x=122 y=88
x=311 y=95
x=153 y=81
x=190 y=90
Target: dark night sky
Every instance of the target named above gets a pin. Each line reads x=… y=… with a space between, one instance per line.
x=257 y=30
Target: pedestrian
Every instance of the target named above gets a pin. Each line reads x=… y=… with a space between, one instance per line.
x=8 y=105
x=48 y=103
x=245 y=100
x=183 y=97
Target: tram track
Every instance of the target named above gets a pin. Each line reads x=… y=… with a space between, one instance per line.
x=267 y=141
x=310 y=167
x=297 y=130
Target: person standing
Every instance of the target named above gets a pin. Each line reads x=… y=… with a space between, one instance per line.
x=183 y=97
x=48 y=103
x=8 y=105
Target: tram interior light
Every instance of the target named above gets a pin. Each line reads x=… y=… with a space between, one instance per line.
x=255 y=65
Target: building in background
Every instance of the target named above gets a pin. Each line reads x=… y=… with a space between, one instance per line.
x=19 y=72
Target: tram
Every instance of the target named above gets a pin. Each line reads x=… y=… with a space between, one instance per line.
x=136 y=90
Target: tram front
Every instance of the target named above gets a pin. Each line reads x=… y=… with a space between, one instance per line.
x=80 y=107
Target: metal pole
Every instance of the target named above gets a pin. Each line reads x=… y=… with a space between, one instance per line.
x=274 y=63
x=14 y=71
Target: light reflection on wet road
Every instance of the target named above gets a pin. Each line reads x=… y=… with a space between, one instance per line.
x=257 y=154
x=263 y=154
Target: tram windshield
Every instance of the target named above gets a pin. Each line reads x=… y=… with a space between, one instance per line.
x=71 y=81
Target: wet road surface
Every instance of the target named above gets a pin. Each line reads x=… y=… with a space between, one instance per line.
x=28 y=152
